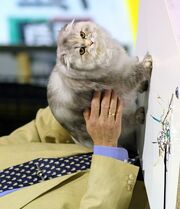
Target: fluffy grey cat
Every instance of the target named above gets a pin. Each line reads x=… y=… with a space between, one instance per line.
x=89 y=59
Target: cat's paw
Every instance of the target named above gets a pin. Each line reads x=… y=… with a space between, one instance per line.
x=140 y=115
x=143 y=86
x=148 y=63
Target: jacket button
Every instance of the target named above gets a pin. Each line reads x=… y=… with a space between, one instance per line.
x=131 y=176
x=129 y=187
x=130 y=182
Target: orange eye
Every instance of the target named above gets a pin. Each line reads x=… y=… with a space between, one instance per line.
x=82 y=50
x=82 y=34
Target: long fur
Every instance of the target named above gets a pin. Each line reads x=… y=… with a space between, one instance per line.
x=104 y=65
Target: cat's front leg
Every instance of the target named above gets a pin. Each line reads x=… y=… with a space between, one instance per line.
x=134 y=118
x=137 y=73
x=143 y=73
x=147 y=65
x=139 y=115
x=143 y=86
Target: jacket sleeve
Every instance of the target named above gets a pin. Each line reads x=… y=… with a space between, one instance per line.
x=44 y=128
x=110 y=185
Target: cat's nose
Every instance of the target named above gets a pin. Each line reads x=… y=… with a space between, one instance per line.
x=88 y=42
x=91 y=43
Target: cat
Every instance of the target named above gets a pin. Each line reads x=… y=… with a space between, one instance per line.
x=89 y=59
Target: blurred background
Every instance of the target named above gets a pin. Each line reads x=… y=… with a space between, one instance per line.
x=28 y=35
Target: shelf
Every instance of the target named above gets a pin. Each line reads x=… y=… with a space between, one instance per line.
x=20 y=48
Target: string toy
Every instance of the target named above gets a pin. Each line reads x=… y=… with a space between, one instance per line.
x=164 y=137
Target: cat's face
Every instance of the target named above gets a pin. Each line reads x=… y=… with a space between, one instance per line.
x=82 y=46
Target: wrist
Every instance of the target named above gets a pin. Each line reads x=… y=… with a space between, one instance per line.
x=106 y=144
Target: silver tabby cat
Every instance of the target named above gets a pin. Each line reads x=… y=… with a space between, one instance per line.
x=89 y=59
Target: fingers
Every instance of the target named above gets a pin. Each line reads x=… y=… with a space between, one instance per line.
x=95 y=105
x=119 y=110
x=109 y=108
x=105 y=104
x=113 y=106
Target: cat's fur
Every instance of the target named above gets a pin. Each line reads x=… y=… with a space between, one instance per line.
x=104 y=65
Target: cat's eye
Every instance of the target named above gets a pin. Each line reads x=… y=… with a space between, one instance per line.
x=82 y=34
x=82 y=50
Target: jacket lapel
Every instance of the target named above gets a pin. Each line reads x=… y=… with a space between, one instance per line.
x=24 y=196
x=16 y=154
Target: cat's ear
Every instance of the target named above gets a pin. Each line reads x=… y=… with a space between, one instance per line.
x=64 y=60
x=69 y=25
x=66 y=27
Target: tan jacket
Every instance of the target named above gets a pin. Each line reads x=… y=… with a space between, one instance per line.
x=109 y=184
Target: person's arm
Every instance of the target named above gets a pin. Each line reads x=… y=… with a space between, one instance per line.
x=111 y=181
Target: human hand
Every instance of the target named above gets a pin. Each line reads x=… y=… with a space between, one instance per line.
x=103 y=120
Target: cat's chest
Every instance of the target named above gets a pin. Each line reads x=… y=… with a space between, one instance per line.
x=72 y=97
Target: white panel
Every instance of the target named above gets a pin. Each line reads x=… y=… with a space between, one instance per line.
x=157 y=36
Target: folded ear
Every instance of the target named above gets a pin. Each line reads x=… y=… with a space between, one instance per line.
x=66 y=27
x=64 y=60
x=69 y=25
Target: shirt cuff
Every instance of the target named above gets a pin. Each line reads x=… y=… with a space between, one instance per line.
x=118 y=153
